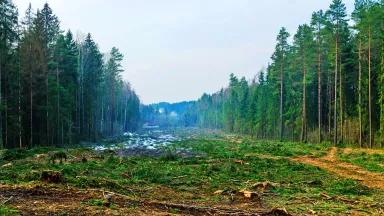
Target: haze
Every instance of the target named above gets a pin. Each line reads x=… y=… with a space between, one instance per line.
x=177 y=50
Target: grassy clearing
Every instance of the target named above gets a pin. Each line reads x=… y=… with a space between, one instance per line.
x=222 y=164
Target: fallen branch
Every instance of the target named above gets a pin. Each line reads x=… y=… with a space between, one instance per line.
x=339 y=198
x=7 y=200
x=179 y=177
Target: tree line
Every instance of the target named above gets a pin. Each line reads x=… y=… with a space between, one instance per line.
x=169 y=115
x=56 y=89
x=325 y=85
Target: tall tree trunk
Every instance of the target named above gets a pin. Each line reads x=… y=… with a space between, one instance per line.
x=47 y=107
x=369 y=88
x=30 y=99
x=112 y=112
x=360 y=100
x=341 y=100
x=304 y=112
x=102 y=116
x=329 y=100
x=62 y=133
x=281 y=101
x=6 y=118
x=382 y=93
x=1 y=103
x=58 y=104
x=319 y=88
x=125 y=113
x=19 y=105
x=335 y=94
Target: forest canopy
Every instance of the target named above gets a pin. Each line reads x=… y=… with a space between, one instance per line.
x=57 y=88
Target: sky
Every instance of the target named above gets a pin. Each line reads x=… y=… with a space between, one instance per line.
x=176 y=50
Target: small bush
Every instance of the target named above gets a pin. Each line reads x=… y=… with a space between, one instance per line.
x=169 y=155
x=52 y=176
x=95 y=202
x=14 y=154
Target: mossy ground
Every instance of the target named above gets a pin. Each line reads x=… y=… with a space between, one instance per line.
x=226 y=163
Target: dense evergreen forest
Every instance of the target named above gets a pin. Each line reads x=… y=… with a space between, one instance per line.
x=325 y=85
x=57 y=88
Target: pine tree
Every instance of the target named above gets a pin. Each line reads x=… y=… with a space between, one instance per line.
x=337 y=18
x=113 y=70
x=318 y=23
x=279 y=58
x=303 y=41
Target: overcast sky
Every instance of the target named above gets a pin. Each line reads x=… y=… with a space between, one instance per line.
x=176 y=50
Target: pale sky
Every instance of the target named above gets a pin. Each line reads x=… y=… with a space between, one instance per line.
x=176 y=50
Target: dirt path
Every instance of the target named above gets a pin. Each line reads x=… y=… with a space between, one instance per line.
x=331 y=163
x=60 y=200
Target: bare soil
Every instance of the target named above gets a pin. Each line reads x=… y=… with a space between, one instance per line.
x=61 y=200
x=331 y=163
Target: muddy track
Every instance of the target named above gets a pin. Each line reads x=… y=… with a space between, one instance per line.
x=331 y=163
x=57 y=200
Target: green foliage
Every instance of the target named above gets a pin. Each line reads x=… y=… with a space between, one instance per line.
x=95 y=202
x=52 y=87
x=10 y=155
x=350 y=187
x=4 y=210
x=170 y=154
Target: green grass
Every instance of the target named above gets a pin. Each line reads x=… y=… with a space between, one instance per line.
x=371 y=162
x=224 y=148
x=95 y=202
x=196 y=178
x=4 y=210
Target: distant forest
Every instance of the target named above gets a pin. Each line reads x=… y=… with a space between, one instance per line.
x=325 y=85
x=57 y=88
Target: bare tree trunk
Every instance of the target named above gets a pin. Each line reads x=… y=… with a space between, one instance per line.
x=102 y=116
x=369 y=88
x=62 y=133
x=6 y=120
x=304 y=112
x=19 y=105
x=31 y=102
x=125 y=113
x=329 y=91
x=335 y=94
x=319 y=88
x=47 y=108
x=360 y=100
x=58 y=103
x=382 y=94
x=1 y=104
x=112 y=112
x=341 y=101
x=281 y=102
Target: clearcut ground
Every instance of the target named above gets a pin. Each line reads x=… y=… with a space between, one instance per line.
x=225 y=175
